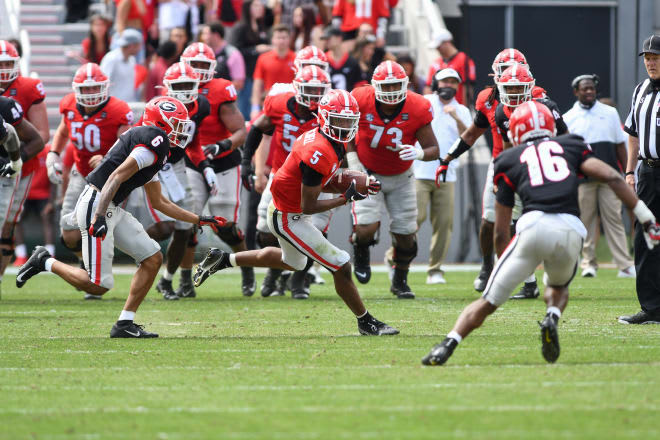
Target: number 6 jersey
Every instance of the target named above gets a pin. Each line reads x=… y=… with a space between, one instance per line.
x=544 y=173
x=94 y=133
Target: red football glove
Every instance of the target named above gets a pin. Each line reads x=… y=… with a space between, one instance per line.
x=652 y=234
x=374 y=186
x=441 y=172
x=214 y=222
x=99 y=228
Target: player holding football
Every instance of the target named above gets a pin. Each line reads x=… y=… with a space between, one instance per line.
x=392 y=118
x=221 y=133
x=131 y=163
x=92 y=121
x=314 y=159
x=286 y=116
x=543 y=170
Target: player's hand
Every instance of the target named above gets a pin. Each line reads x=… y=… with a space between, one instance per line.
x=630 y=180
x=652 y=234
x=212 y=150
x=411 y=152
x=95 y=160
x=214 y=222
x=352 y=193
x=374 y=186
x=211 y=180
x=10 y=168
x=54 y=167
x=441 y=172
x=247 y=176
x=98 y=228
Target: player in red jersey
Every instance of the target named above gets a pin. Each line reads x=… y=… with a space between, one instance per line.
x=348 y=15
x=92 y=121
x=286 y=116
x=314 y=159
x=392 y=118
x=29 y=94
x=221 y=133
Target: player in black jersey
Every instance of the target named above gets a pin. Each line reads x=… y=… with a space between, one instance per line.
x=132 y=162
x=543 y=170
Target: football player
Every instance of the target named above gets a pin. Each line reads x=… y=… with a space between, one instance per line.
x=30 y=95
x=314 y=159
x=544 y=171
x=132 y=162
x=221 y=133
x=286 y=116
x=392 y=118
x=92 y=121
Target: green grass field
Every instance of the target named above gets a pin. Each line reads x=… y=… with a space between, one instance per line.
x=228 y=367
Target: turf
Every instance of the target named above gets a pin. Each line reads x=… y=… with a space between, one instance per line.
x=249 y=368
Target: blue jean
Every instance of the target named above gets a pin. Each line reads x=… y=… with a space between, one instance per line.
x=244 y=98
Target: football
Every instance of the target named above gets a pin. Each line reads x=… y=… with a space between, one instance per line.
x=341 y=181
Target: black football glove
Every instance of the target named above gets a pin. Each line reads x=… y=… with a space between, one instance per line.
x=212 y=150
x=9 y=168
x=247 y=176
x=99 y=228
x=352 y=194
x=214 y=222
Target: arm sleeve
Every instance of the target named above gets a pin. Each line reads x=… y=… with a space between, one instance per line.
x=194 y=152
x=143 y=156
x=310 y=177
x=480 y=120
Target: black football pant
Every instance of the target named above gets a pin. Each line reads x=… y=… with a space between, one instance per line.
x=647 y=262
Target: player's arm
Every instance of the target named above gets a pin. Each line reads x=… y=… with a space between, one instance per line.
x=232 y=118
x=164 y=205
x=257 y=92
x=622 y=154
x=504 y=202
x=54 y=166
x=428 y=142
x=10 y=142
x=261 y=169
x=352 y=159
x=633 y=154
x=262 y=125
x=597 y=169
x=120 y=175
x=38 y=116
x=310 y=190
x=31 y=142
x=464 y=142
x=60 y=138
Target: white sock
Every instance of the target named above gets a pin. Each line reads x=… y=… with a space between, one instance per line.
x=125 y=315
x=455 y=336
x=554 y=311
x=167 y=275
x=232 y=260
x=51 y=249
x=20 y=251
x=363 y=315
x=49 y=264
x=531 y=279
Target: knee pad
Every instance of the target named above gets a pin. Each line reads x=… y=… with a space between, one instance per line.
x=76 y=248
x=266 y=239
x=192 y=240
x=7 y=247
x=353 y=239
x=232 y=235
x=404 y=256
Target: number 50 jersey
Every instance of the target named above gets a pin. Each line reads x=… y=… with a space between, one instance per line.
x=544 y=173
x=94 y=133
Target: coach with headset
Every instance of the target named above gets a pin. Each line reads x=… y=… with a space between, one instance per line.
x=643 y=126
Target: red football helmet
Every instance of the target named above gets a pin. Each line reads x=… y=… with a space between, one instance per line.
x=531 y=120
x=310 y=56
x=9 y=62
x=90 y=85
x=170 y=115
x=515 y=85
x=506 y=59
x=201 y=58
x=339 y=115
x=181 y=82
x=311 y=83
x=386 y=74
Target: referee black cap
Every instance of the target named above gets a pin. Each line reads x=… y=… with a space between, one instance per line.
x=651 y=45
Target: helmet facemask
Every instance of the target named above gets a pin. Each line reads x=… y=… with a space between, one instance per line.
x=514 y=98
x=309 y=94
x=184 y=89
x=387 y=94
x=339 y=127
x=93 y=99
x=9 y=68
x=205 y=73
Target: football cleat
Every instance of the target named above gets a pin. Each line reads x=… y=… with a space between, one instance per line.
x=400 y=286
x=299 y=289
x=186 y=289
x=440 y=353
x=269 y=284
x=248 y=283
x=640 y=317
x=316 y=276
x=549 y=338
x=373 y=327
x=165 y=287
x=34 y=265
x=482 y=279
x=130 y=330
x=90 y=297
x=215 y=260
x=528 y=291
x=282 y=283
x=362 y=266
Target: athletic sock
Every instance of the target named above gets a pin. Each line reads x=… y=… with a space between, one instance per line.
x=555 y=312
x=167 y=275
x=364 y=317
x=186 y=274
x=48 y=265
x=126 y=315
x=20 y=251
x=455 y=336
x=232 y=260
x=530 y=279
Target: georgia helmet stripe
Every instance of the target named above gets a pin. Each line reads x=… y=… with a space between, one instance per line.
x=182 y=68
x=315 y=52
x=314 y=73
x=389 y=68
x=3 y=47
x=511 y=54
x=347 y=101
x=89 y=72
x=535 y=114
x=515 y=72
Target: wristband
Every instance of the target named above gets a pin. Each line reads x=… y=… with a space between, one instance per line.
x=630 y=173
x=53 y=151
x=459 y=147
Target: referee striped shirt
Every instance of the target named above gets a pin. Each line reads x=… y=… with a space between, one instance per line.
x=643 y=121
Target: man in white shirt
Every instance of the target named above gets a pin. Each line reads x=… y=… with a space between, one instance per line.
x=119 y=66
x=600 y=127
x=450 y=119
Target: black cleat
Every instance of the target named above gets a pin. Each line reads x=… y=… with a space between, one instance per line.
x=34 y=265
x=400 y=286
x=549 y=338
x=370 y=326
x=215 y=260
x=130 y=330
x=186 y=289
x=90 y=297
x=165 y=287
x=269 y=285
x=482 y=279
x=527 y=291
x=640 y=318
x=440 y=353
x=362 y=266
x=248 y=284
x=299 y=286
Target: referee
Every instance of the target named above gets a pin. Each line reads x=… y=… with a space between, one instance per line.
x=643 y=126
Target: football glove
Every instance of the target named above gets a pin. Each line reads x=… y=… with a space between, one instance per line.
x=212 y=150
x=352 y=193
x=441 y=172
x=214 y=222
x=54 y=167
x=11 y=167
x=411 y=152
x=374 y=186
x=247 y=176
x=99 y=228
x=211 y=180
x=652 y=234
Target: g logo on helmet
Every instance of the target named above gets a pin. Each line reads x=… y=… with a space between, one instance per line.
x=325 y=100
x=167 y=106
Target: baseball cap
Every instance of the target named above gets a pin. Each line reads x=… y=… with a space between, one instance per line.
x=447 y=73
x=651 y=45
x=440 y=37
x=331 y=31
x=129 y=36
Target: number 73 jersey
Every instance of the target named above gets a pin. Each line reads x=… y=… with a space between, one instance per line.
x=380 y=136
x=95 y=133
x=545 y=174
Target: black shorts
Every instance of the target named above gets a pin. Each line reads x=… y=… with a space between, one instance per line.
x=350 y=35
x=34 y=205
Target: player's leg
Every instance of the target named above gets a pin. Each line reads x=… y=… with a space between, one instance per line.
x=530 y=288
x=7 y=191
x=46 y=216
x=71 y=236
x=366 y=215
x=588 y=200
x=20 y=251
x=16 y=203
x=270 y=285
x=486 y=236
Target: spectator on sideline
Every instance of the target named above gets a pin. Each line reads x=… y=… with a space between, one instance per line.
x=415 y=82
x=131 y=14
x=364 y=53
x=97 y=43
x=283 y=10
x=274 y=66
x=600 y=127
x=120 y=66
x=345 y=72
x=380 y=54
x=166 y=55
x=171 y=14
x=230 y=64
x=450 y=56
x=250 y=37
x=180 y=37
x=347 y=17
x=450 y=119
x=304 y=21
